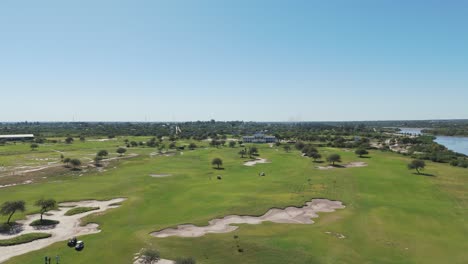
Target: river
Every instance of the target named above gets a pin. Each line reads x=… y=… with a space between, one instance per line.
x=457 y=144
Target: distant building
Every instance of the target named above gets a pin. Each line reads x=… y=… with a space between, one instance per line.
x=17 y=137
x=259 y=138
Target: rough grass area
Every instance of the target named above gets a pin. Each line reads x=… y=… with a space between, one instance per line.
x=44 y=222
x=26 y=238
x=79 y=210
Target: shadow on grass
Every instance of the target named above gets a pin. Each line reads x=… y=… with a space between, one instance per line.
x=424 y=174
x=365 y=157
x=11 y=229
x=318 y=161
x=218 y=168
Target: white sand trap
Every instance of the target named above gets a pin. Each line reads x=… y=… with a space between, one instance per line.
x=160 y=175
x=289 y=215
x=68 y=227
x=349 y=165
x=253 y=162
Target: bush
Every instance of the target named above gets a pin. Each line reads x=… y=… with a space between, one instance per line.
x=26 y=238
x=150 y=256
x=79 y=210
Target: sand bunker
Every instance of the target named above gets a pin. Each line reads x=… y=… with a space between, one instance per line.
x=160 y=175
x=349 y=165
x=289 y=215
x=68 y=227
x=253 y=162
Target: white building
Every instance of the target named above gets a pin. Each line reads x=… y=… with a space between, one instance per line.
x=259 y=138
x=17 y=137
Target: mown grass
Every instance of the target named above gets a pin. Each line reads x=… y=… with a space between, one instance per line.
x=79 y=210
x=26 y=238
x=391 y=215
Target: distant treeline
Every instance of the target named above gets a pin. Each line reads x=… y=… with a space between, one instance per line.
x=199 y=130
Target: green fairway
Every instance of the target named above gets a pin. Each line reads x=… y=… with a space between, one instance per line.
x=392 y=215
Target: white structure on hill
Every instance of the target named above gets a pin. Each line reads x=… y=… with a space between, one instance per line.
x=17 y=137
x=259 y=138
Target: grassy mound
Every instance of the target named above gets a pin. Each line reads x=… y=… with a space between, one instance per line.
x=44 y=222
x=79 y=210
x=26 y=238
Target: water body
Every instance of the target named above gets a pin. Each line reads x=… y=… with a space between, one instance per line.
x=457 y=144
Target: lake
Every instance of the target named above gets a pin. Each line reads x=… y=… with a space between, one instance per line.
x=457 y=144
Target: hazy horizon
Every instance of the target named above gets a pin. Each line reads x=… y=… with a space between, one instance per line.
x=271 y=61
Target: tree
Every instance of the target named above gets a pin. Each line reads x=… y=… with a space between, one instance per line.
x=185 y=261
x=69 y=140
x=334 y=158
x=66 y=161
x=253 y=151
x=75 y=163
x=192 y=146
x=315 y=156
x=172 y=145
x=34 y=146
x=121 y=151
x=149 y=256
x=417 y=165
x=10 y=207
x=102 y=153
x=299 y=145
x=217 y=161
x=133 y=143
x=232 y=144
x=97 y=160
x=361 y=152
x=82 y=138
x=242 y=153
x=287 y=148
x=45 y=205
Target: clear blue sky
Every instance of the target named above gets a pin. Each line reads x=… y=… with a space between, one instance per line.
x=233 y=60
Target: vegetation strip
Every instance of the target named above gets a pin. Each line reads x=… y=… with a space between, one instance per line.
x=26 y=238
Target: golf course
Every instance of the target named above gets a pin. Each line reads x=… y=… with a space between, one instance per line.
x=390 y=214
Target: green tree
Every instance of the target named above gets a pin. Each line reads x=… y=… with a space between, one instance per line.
x=69 y=140
x=97 y=160
x=232 y=144
x=133 y=143
x=217 y=162
x=287 y=148
x=149 y=256
x=45 y=205
x=334 y=158
x=10 y=207
x=253 y=151
x=121 y=151
x=76 y=163
x=102 y=153
x=192 y=146
x=34 y=146
x=66 y=161
x=315 y=156
x=361 y=152
x=242 y=153
x=417 y=165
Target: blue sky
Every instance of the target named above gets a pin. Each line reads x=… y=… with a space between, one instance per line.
x=233 y=60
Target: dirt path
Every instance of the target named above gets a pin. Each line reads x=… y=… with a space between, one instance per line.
x=68 y=227
x=289 y=215
x=257 y=161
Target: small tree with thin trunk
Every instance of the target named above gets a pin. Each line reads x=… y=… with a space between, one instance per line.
x=242 y=153
x=253 y=151
x=10 y=207
x=67 y=162
x=69 y=140
x=34 y=146
x=192 y=146
x=287 y=148
x=417 y=165
x=315 y=156
x=45 y=205
x=334 y=158
x=232 y=144
x=217 y=162
x=102 y=153
x=360 y=152
x=76 y=163
x=121 y=151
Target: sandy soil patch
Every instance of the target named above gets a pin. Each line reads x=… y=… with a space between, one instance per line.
x=160 y=175
x=289 y=215
x=68 y=227
x=349 y=165
x=257 y=161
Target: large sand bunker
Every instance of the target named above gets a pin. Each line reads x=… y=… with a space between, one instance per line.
x=289 y=215
x=253 y=162
x=349 y=165
x=68 y=227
